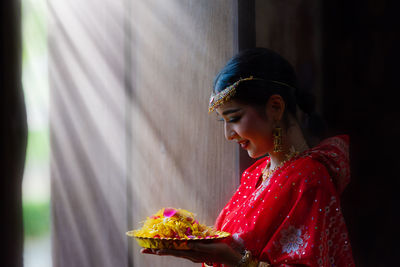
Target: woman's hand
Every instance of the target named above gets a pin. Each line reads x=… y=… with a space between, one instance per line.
x=202 y=252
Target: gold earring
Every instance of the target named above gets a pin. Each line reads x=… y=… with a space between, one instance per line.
x=278 y=139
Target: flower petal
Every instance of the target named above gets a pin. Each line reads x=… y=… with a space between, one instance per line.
x=169 y=212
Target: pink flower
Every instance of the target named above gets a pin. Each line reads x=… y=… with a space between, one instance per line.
x=169 y=212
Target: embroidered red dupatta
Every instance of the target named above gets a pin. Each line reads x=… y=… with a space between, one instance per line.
x=294 y=217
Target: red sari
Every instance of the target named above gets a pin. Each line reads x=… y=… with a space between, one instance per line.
x=294 y=217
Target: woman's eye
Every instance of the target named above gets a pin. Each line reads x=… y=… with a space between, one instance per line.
x=234 y=119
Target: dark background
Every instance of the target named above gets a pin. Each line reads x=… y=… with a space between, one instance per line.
x=360 y=66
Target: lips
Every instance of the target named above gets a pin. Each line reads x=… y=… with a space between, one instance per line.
x=244 y=144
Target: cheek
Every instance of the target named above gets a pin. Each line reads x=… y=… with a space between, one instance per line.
x=253 y=129
x=246 y=129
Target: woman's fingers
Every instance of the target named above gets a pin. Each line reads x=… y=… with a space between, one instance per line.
x=218 y=252
x=200 y=252
x=187 y=254
x=213 y=248
x=162 y=252
x=203 y=247
x=147 y=251
x=175 y=252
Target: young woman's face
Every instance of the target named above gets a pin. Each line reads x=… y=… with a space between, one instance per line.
x=247 y=126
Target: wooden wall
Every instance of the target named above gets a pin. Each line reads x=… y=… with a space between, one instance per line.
x=130 y=130
x=180 y=157
x=346 y=53
x=293 y=29
x=88 y=133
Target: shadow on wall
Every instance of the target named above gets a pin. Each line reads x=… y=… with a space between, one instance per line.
x=361 y=58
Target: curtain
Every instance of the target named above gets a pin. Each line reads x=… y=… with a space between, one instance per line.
x=14 y=134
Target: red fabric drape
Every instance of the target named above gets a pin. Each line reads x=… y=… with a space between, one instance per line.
x=294 y=217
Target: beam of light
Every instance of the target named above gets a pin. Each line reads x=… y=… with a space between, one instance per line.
x=173 y=169
x=107 y=147
x=87 y=133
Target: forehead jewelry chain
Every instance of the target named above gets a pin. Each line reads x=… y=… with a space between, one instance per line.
x=267 y=171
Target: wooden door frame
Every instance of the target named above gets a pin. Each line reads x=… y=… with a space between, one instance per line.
x=245 y=37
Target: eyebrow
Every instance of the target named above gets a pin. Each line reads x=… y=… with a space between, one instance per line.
x=229 y=111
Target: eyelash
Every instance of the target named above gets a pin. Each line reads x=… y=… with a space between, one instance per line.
x=232 y=120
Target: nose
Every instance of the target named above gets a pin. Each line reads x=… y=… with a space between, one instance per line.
x=229 y=132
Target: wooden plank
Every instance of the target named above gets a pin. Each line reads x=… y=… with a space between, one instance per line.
x=180 y=157
x=293 y=29
x=87 y=133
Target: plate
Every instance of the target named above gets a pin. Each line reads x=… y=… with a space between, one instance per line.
x=175 y=243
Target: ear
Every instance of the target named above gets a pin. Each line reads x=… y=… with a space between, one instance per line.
x=275 y=107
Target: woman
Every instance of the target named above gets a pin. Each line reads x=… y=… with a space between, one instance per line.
x=286 y=211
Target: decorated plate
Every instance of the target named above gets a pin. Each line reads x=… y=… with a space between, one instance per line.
x=174 y=228
x=175 y=243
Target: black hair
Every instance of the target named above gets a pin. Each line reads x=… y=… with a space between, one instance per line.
x=272 y=75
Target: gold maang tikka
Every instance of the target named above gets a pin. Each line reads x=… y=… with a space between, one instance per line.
x=222 y=97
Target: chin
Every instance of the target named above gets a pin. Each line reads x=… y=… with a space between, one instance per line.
x=253 y=155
